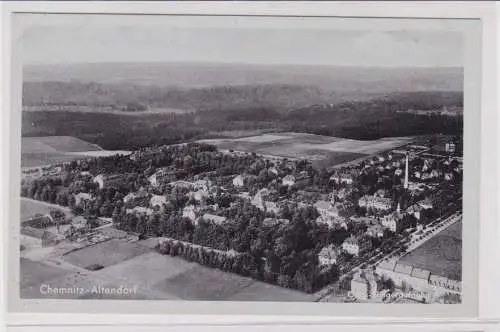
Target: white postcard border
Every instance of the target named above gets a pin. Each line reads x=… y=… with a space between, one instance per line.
x=488 y=290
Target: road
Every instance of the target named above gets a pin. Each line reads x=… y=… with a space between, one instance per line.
x=439 y=225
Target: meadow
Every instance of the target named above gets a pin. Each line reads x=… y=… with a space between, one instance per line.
x=47 y=150
x=323 y=151
x=105 y=253
x=156 y=276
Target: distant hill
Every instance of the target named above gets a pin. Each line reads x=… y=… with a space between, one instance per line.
x=278 y=96
x=184 y=75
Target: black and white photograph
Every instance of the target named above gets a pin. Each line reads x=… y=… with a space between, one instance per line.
x=192 y=158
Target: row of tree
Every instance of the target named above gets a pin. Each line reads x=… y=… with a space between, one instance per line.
x=308 y=278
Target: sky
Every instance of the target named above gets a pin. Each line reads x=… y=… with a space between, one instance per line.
x=81 y=41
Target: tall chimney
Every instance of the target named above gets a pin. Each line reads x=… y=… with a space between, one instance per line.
x=406 y=173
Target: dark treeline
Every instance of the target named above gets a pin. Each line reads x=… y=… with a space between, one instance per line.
x=245 y=264
x=116 y=131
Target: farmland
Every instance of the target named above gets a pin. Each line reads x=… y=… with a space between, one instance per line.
x=46 y=150
x=442 y=254
x=324 y=151
x=105 y=253
x=154 y=275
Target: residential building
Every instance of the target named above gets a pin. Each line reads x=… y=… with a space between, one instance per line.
x=204 y=185
x=113 y=180
x=374 y=202
x=450 y=147
x=163 y=175
x=80 y=198
x=259 y=198
x=326 y=209
x=426 y=204
x=41 y=237
x=139 y=195
x=199 y=195
x=275 y=221
x=342 y=178
x=191 y=212
x=418 y=279
x=328 y=255
x=139 y=210
x=38 y=220
x=79 y=222
x=288 y=180
x=239 y=181
x=375 y=230
x=158 y=201
x=328 y=213
x=214 y=218
x=415 y=210
x=356 y=245
x=273 y=170
x=181 y=184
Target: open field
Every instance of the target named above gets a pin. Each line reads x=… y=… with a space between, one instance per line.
x=155 y=276
x=100 y=153
x=30 y=207
x=203 y=284
x=324 y=151
x=35 y=273
x=146 y=270
x=46 y=150
x=56 y=144
x=442 y=254
x=105 y=253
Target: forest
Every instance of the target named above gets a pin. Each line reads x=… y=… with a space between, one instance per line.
x=125 y=132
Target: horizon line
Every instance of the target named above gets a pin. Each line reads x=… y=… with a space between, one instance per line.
x=233 y=63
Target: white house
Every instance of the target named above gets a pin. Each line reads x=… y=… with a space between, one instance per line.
x=79 y=222
x=275 y=221
x=199 y=195
x=356 y=245
x=328 y=255
x=415 y=210
x=328 y=212
x=82 y=197
x=99 y=179
x=135 y=195
x=191 y=212
x=157 y=201
x=375 y=202
x=202 y=185
x=238 y=181
x=426 y=204
x=375 y=230
x=273 y=170
x=139 y=210
x=288 y=180
x=214 y=218
x=346 y=179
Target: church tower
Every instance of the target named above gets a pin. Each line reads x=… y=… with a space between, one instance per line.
x=406 y=173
